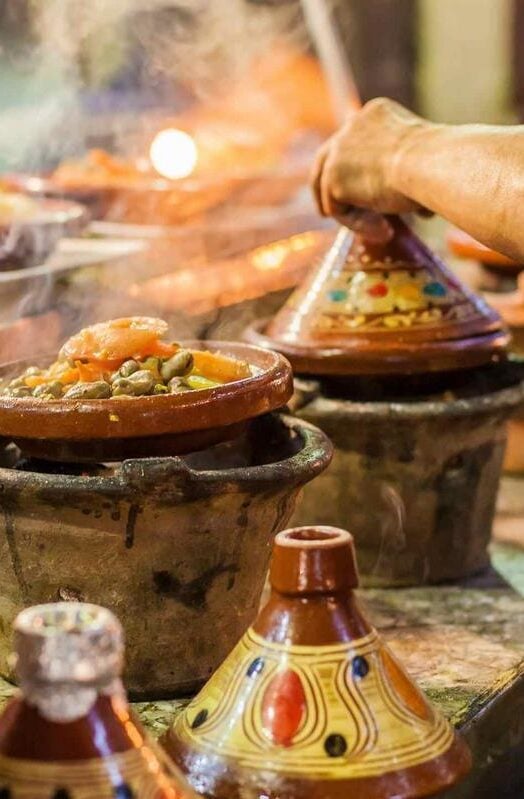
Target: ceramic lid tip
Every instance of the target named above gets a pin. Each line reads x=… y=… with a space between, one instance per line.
x=317 y=537
x=68 y=642
x=317 y=559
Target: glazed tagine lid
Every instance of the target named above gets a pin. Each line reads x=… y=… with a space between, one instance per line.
x=70 y=733
x=390 y=308
x=311 y=704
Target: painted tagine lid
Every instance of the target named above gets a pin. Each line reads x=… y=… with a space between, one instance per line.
x=70 y=732
x=378 y=309
x=311 y=704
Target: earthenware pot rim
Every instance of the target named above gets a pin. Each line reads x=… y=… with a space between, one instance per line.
x=50 y=211
x=113 y=418
x=409 y=359
x=44 y=184
x=498 y=400
x=301 y=467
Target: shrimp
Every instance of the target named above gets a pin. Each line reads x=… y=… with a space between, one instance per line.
x=117 y=340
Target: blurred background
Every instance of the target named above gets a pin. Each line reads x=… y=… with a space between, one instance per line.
x=215 y=226
x=453 y=60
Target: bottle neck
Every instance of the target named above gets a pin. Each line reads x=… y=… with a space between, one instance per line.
x=65 y=701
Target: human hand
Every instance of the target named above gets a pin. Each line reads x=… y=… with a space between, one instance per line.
x=355 y=169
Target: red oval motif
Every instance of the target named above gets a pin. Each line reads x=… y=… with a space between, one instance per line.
x=378 y=290
x=283 y=707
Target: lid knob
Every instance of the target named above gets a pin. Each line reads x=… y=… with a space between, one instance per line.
x=313 y=560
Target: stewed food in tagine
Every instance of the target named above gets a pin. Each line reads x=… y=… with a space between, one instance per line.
x=125 y=358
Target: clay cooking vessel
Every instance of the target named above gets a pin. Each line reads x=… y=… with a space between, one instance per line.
x=311 y=703
x=114 y=429
x=383 y=309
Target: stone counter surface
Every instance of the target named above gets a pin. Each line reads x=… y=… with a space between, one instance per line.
x=465 y=646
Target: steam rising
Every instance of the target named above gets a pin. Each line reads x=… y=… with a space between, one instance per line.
x=201 y=43
x=83 y=51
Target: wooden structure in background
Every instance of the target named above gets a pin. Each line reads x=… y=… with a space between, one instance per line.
x=381 y=42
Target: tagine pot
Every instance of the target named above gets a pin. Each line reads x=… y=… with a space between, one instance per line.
x=178 y=547
x=311 y=704
x=408 y=376
x=70 y=732
x=416 y=477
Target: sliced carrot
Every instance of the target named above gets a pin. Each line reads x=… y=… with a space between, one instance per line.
x=117 y=339
x=162 y=350
x=89 y=372
x=33 y=381
x=219 y=367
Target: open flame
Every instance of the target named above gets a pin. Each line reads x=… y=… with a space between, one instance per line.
x=173 y=153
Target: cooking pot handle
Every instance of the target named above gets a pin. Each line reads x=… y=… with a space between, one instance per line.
x=154 y=472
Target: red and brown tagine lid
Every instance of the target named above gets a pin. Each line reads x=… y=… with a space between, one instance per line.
x=388 y=308
x=311 y=704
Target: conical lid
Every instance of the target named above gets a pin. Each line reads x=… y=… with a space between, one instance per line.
x=311 y=703
x=386 y=308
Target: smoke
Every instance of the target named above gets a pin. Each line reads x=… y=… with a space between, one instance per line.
x=201 y=43
x=86 y=60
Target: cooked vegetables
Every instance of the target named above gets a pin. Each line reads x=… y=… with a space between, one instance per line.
x=125 y=358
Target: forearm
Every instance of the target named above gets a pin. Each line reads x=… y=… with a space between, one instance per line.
x=473 y=175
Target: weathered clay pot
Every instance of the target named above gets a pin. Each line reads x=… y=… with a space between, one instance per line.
x=177 y=547
x=415 y=480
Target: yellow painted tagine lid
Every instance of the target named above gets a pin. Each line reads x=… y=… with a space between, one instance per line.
x=311 y=704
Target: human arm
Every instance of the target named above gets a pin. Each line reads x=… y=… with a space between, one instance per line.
x=389 y=160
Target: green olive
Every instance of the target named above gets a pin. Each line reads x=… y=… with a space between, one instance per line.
x=54 y=389
x=160 y=388
x=96 y=390
x=197 y=382
x=152 y=364
x=136 y=385
x=178 y=365
x=177 y=385
x=127 y=369
x=18 y=382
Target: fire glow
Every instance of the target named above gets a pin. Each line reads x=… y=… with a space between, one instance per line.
x=173 y=154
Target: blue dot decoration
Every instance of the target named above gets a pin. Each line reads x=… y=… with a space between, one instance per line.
x=255 y=667
x=338 y=295
x=359 y=667
x=435 y=289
